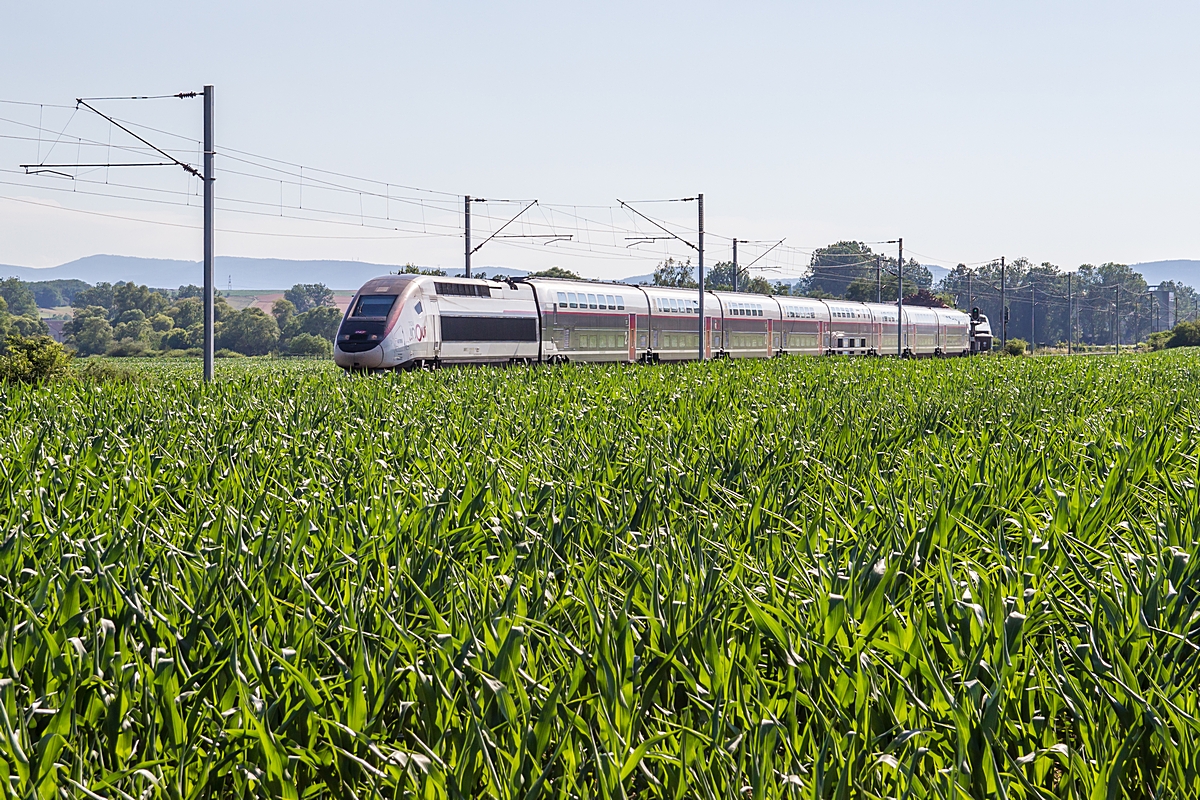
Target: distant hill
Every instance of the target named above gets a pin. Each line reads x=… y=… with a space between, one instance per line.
x=245 y=273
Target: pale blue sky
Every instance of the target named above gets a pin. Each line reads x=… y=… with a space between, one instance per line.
x=1060 y=131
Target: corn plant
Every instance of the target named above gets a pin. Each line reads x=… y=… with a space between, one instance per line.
x=796 y=578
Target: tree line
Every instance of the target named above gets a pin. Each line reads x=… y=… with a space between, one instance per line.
x=128 y=319
x=1046 y=304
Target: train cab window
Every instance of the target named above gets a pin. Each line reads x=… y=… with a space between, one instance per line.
x=612 y=303
x=620 y=302
x=376 y=305
x=591 y=301
x=562 y=299
x=573 y=302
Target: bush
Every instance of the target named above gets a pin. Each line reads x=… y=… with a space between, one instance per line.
x=225 y=352
x=1016 y=347
x=1185 y=334
x=305 y=344
x=103 y=371
x=33 y=359
x=128 y=347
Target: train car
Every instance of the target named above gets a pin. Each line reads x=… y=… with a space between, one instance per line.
x=400 y=321
x=748 y=325
x=404 y=320
x=852 y=329
x=883 y=319
x=674 y=323
x=585 y=321
x=954 y=336
x=803 y=326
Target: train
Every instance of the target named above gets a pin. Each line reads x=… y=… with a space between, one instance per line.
x=413 y=321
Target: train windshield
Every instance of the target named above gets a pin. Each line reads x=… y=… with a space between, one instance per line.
x=374 y=305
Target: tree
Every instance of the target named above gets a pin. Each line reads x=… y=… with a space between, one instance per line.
x=89 y=331
x=191 y=290
x=309 y=295
x=186 y=312
x=251 y=332
x=99 y=295
x=412 y=269
x=557 y=272
x=19 y=297
x=322 y=322
x=131 y=296
x=924 y=297
x=675 y=273
x=283 y=310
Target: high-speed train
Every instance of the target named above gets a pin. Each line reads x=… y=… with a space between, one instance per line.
x=401 y=321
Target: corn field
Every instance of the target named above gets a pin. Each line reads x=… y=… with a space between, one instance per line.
x=797 y=578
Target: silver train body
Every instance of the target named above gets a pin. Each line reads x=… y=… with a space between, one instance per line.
x=399 y=321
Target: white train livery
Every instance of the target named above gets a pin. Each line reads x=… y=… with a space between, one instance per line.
x=403 y=321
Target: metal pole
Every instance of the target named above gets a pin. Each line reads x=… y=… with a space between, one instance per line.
x=1117 y=319
x=467 y=231
x=1070 y=315
x=900 y=299
x=878 y=277
x=700 y=271
x=735 y=265
x=970 y=296
x=209 y=277
x=1032 y=319
x=1003 y=309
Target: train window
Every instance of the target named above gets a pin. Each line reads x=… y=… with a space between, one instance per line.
x=675 y=304
x=489 y=329
x=612 y=302
x=376 y=305
x=591 y=301
x=574 y=302
x=620 y=302
x=463 y=289
x=758 y=310
x=562 y=299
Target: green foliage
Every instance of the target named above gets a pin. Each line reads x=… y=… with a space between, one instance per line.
x=322 y=321
x=306 y=344
x=309 y=295
x=720 y=279
x=100 y=295
x=557 y=272
x=1016 y=347
x=676 y=273
x=51 y=294
x=102 y=370
x=250 y=332
x=927 y=579
x=412 y=269
x=32 y=359
x=1159 y=340
x=18 y=297
x=283 y=310
x=89 y=330
x=1185 y=334
x=847 y=266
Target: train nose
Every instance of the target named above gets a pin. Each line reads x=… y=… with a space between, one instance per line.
x=358 y=359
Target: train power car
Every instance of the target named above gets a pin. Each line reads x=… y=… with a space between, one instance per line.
x=403 y=321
